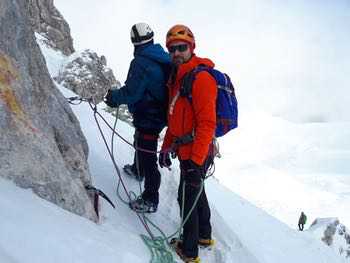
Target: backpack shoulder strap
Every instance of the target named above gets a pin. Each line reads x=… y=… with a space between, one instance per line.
x=188 y=79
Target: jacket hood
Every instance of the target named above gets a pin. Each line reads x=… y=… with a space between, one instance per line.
x=154 y=52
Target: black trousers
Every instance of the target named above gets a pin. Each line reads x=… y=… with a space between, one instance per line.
x=301 y=226
x=147 y=165
x=198 y=224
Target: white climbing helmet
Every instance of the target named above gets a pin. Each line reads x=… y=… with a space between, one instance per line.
x=141 y=33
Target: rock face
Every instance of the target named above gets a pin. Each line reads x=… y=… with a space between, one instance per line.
x=333 y=234
x=41 y=143
x=47 y=20
x=87 y=75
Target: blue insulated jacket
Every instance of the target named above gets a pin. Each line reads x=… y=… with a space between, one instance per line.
x=145 y=89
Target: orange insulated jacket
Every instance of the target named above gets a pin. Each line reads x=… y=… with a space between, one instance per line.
x=197 y=116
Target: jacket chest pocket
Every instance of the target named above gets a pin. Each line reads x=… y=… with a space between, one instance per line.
x=183 y=116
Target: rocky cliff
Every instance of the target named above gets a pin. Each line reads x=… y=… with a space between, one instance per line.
x=41 y=143
x=47 y=21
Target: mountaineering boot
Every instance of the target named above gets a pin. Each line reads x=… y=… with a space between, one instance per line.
x=206 y=242
x=202 y=242
x=131 y=170
x=176 y=244
x=140 y=205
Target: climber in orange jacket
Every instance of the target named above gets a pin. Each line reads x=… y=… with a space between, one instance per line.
x=191 y=128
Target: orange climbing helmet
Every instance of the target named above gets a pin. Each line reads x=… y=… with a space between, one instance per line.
x=180 y=32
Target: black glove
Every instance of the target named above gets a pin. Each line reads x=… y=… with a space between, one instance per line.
x=194 y=173
x=108 y=99
x=164 y=159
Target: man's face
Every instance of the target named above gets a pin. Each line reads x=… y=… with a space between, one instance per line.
x=180 y=52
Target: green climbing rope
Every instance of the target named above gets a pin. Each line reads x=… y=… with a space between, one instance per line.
x=157 y=245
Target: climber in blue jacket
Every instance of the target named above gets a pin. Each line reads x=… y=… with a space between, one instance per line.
x=145 y=93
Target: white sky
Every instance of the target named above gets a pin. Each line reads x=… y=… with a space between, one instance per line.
x=290 y=58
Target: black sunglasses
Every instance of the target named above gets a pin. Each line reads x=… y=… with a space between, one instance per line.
x=180 y=48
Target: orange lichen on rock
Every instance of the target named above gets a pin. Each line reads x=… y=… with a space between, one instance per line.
x=8 y=74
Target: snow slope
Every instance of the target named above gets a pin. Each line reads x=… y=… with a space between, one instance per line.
x=286 y=167
x=33 y=230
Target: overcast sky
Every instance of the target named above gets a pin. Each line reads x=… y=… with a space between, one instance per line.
x=289 y=58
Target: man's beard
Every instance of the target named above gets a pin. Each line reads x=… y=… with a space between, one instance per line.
x=178 y=60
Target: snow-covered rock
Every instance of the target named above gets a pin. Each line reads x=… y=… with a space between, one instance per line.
x=333 y=234
x=86 y=74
